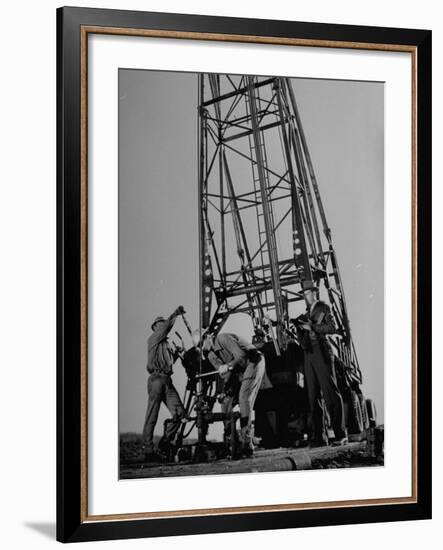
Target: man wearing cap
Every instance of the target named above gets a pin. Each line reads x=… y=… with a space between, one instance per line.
x=319 y=363
x=160 y=386
x=236 y=360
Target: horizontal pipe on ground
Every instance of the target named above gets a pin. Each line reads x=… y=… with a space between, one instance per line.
x=270 y=460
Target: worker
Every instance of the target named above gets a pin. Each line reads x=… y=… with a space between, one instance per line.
x=236 y=360
x=160 y=387
x=316 y=324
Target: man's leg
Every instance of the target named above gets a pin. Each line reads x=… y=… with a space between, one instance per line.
x=230 y=432
x=244 y=401
x=326 y=376
x=155 y=397
x=175 y=406
x=319 y=421
x=256 y=385
x=260 y=381
x=247 y=383
x=227 y=404
x=316 y=415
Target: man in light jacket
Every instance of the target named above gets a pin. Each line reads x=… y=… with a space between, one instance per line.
x=234 y=357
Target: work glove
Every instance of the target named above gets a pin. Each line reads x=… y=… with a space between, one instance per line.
x=223 y=369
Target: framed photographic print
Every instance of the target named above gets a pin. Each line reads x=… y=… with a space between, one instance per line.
x=244 y=274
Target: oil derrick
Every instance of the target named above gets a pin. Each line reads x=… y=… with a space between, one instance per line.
x=263 y=231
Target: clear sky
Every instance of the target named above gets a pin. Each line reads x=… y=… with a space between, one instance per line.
x=158 y=230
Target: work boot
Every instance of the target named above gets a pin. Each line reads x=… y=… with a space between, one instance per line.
x=167 y=449
x=152 y=456
x=232 y=444
x=318 y=442
x=340 y=441
x=247 y=447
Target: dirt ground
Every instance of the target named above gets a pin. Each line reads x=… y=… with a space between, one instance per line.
x=351 y=455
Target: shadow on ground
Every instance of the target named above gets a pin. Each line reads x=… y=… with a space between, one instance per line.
x=45 y=529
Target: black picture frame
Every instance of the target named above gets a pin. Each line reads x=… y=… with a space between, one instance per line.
x=72 y=525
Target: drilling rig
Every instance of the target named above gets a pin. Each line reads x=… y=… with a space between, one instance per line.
x=264 y=235
x=263 y=240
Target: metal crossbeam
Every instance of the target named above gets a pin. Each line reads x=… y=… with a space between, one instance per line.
x=259 y=202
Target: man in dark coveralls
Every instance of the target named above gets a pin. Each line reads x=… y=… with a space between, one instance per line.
x=319 y=364
x=160 y=387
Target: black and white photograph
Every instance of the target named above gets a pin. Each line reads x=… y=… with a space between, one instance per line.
x=243 y=274
x=250 y=274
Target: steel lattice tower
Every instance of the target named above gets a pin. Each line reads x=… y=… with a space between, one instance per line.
x=263 y=229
